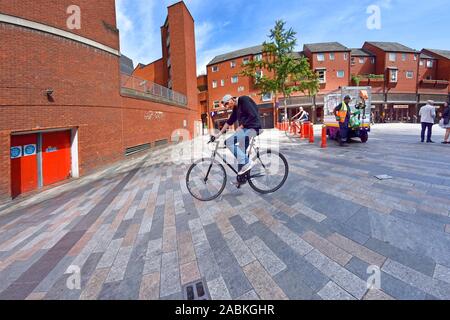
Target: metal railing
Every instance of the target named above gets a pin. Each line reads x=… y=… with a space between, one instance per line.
x=148 y=88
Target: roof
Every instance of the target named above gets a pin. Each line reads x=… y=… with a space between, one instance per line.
x=126 y=65
x=326 y=47
x=392 y=47
x=442 y=53
x=237 y=54
x=426 y=56
x=357 y=52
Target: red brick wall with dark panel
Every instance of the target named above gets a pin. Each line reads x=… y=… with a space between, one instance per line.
x=154 y=72
x=98 y=22
x=425 y=73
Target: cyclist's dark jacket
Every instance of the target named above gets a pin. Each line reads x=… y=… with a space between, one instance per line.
x=246 y=112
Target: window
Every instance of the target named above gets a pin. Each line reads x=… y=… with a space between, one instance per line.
x=322 y=74
x=246 y=60
x=258 y=75
x=214 y=84
x=241 y=88
x=267 y=97
x=430 y=64
x=331 y=56
x=415 y=57
x=403 y=56
x=345 y=56
x=361 y=60
x=372 y=60
x=394 y=75
x=320 y=57
x=258 y=57
x=222 y=83
x=234 y=79
x=421 y=62
x=215 y=68
x=233 y=64
x=216 y=104
x=353 y=61
x=341 y=74
x=429 y=78
x=392 y=57
x=409 y=74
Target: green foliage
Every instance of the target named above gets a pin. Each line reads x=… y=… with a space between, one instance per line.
x=287 y=72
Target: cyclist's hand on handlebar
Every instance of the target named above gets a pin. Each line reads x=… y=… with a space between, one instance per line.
x=213 y=138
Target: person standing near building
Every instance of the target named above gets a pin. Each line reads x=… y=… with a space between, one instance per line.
x=245 y=112
x=342 y=113
x=445 y=123
x=427 y=115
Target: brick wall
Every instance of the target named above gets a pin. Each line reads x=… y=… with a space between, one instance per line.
x=332 y=67
x=86 y=84
x=98 y=22
x=154 y=72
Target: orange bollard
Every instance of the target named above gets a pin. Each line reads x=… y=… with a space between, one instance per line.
x=306 y=127
x=302 y=133
x=324 y=136
x=311 y=133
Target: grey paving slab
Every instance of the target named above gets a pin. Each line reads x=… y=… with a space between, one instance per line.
x=392 y=286
x=344 y=278
x=409 y=258
x=170 y=274
x=333 y=292
x=236 y=281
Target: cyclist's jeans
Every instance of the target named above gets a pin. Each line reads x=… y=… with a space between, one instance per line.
x=238 y=144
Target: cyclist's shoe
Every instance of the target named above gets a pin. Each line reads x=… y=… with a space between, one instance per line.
x=249 y=166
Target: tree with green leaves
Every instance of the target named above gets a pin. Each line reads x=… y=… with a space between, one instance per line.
x=286 y=71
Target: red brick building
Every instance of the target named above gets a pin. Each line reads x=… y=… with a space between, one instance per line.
x=65 y=107
x=397 y=74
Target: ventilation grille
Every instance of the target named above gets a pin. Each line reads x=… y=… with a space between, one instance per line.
x=196 y=291
x=161 y=142
x=136 y=149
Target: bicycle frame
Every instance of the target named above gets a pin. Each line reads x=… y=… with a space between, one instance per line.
x=250 y=148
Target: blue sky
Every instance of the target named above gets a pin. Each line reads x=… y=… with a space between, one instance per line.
x=226 y=25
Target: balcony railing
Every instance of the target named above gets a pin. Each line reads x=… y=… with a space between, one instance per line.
x=148 y=89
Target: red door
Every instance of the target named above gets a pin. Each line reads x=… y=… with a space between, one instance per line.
x=56 y=156
x=24 y=166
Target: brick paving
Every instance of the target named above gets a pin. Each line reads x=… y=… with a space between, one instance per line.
x=135 y=232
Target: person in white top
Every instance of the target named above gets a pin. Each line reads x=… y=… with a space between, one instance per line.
x=427 y=115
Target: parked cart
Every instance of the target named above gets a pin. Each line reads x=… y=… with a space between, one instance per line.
x=361 y=107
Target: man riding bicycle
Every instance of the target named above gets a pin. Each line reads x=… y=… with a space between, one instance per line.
x=302 y=116
x=245 y=112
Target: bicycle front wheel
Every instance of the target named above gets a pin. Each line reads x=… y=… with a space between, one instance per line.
x=206 y=179
x=270 y=172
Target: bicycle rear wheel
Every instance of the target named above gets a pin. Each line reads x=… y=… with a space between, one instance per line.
x=206 y=179
x=270 y=172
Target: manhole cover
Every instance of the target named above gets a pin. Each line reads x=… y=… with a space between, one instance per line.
x=196 y=291
x=384 y=177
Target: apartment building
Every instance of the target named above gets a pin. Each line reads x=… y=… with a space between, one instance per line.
x=402 y=79
x=224 y=77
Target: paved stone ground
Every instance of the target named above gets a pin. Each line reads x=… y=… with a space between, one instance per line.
x=136 y=233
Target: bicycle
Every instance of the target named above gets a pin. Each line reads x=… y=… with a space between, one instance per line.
x=206 y=179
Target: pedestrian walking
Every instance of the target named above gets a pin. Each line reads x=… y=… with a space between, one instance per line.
x=445 y=123
x=427 y=115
